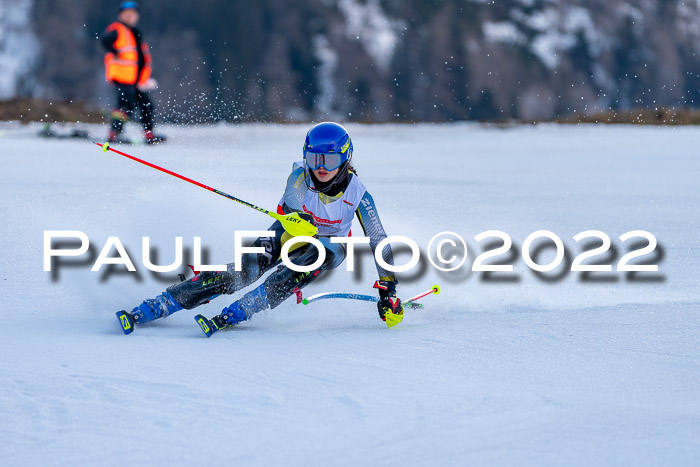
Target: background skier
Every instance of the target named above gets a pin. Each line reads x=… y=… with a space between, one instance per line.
x=128 y=67
x=323 y=188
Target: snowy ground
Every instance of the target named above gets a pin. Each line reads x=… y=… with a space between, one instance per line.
x=524 y=371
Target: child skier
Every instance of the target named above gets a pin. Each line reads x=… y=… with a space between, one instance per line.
x=324 y=189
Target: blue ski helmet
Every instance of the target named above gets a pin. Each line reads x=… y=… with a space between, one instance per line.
x=128 y=6
x=327 y=145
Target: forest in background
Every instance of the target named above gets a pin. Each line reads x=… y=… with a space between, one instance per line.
x=379 y=60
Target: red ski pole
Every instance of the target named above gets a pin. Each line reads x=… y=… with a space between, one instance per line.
x=292 y=223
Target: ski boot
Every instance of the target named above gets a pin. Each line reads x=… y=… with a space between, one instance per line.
x=241 y=310
x=151 y=309
x=114 y=137
x=152 y=138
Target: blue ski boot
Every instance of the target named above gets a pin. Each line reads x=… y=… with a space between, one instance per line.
x=241 y=310
x=151 y=309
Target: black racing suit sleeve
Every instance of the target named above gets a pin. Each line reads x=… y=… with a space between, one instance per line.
x=108 y=39
x=368 y=216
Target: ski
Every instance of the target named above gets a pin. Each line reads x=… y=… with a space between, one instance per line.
x=121 y=139
x=130 y=142
x=79 y=134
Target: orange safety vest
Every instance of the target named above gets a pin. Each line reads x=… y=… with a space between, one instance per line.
x=123 y=67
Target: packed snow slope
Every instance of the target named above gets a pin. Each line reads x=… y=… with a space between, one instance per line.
x=513 y=369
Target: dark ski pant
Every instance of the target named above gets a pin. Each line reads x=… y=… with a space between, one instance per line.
x=279 y=285
x=129 y=99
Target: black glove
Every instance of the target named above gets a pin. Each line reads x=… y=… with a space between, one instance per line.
x=308 y=217
x=388 y=301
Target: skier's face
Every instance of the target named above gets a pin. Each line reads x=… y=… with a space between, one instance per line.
x=324 y=175
x=130 y=17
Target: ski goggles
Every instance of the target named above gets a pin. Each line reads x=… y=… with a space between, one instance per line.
x=327 y=161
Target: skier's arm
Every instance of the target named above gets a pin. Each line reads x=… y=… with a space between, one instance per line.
x=389 y=305
x=293 y=198
x=372 y=226
x=108 y=39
